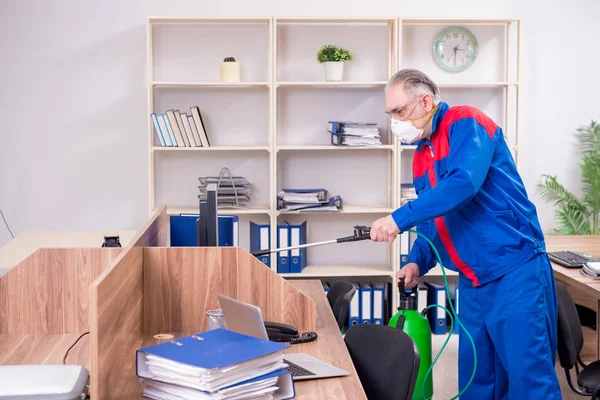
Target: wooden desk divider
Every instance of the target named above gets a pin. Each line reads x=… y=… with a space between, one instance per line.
x=48 y=292
x=150 y=290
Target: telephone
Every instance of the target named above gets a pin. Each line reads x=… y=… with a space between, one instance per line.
x=278 y=332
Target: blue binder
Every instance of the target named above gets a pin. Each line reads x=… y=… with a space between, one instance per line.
x=378 y=303
x=183 y=230
x=354 y=311
x=211 y=351
x=456 y=326
x=260 y=239
x=283 y=257
x=297 y=256
x=366 y=303
x=436 y=294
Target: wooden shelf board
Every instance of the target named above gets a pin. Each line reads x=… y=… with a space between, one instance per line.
x=437 y=271
x=213 y=148
x=459 y=85
x=324 y=271
x=176 y=210
x=225 y=85
x=229 y=20
x=341 y=84
x=332 y=147
x=347 y=210
x=408 y=147
x=329 y=20
x=438 y=21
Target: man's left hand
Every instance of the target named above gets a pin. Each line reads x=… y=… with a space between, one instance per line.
x=384 y=230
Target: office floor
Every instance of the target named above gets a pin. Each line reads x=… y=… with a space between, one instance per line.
x=445 y=384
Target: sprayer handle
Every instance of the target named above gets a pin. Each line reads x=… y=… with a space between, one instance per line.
x=401 y=286
x=260 y=252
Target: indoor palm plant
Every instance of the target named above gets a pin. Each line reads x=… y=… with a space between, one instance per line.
x=578 y=216
x=333 y=57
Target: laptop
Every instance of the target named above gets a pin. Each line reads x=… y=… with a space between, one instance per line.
x=247 y=319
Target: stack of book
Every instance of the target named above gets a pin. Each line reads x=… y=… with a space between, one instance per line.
x=407 y=192
x=176 y=129
x=232 y=192
x=355 y=134
x=304 y=200
x=217 y=364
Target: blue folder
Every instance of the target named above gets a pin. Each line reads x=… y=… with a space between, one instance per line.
x=212 y=350
x=260 y=239
x=283 y=257
x=297 y=256
x=183 y=230
x=436 y=294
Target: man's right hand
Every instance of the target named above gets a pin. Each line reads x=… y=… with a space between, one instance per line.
x=410 y=273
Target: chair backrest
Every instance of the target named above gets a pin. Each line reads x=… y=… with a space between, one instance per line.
x=570 y=334
x=339 y=296
x=386 y=360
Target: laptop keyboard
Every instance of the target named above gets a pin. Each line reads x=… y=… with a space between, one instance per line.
x=297 y=370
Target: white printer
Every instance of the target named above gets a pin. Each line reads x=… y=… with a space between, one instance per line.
x=43 y=382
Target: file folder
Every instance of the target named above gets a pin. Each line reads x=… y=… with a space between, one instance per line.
x=366 y=303
x=436 y=294
x=354 y=312
x=297 y=256
x=260 y=239
x=422 y=297
x=279 y=383
x=184 y=233
x=378 y=303
x=283 y=240
x=456 y=326
x=212 y=356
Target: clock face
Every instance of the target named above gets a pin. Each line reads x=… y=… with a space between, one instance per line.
x=455 y=49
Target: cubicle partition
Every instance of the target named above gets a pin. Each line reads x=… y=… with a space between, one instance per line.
x=155 y=289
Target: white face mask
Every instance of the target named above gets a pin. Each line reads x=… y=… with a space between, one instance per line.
x=405 y=131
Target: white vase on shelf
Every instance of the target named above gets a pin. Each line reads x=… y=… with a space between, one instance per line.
x=334 y=71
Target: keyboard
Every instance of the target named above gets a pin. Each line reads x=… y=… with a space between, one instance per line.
x=569 y=259
x=297 y=370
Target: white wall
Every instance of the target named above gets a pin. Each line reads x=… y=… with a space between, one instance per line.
x=73 y=97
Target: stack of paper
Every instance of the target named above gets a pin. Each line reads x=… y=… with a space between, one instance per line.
x=231 y=191
x=218 y=364
x=308 y=200
x=407 y=192
x=354 y=133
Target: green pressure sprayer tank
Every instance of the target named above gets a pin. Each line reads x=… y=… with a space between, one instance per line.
x=410 y=320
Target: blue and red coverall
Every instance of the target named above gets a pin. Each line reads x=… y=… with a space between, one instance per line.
x=474 y=207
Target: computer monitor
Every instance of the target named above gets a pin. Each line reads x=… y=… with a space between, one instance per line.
x=207 y=227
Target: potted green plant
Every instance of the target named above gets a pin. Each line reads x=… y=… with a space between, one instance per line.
x=334 y=57
x=578 y=216
x=230 y=70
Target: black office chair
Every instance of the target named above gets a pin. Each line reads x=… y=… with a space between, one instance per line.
x=386 y=360
x=570 y=343
x=340 y=295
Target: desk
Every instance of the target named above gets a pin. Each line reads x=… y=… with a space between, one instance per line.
x=28 y=242
x=329 y=347
x=585 y=291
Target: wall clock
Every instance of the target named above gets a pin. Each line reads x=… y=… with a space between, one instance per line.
x=455 y=49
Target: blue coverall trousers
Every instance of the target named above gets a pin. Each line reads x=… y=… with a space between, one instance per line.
x=513 y=321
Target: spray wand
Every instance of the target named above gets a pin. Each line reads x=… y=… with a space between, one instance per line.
x=361 y=232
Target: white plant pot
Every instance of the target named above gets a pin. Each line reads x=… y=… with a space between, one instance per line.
x=334 y=71
x=230 y=71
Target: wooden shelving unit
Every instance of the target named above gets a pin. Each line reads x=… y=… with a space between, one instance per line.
x=271 y=126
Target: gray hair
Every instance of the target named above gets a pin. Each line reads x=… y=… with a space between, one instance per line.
x=416 y=82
